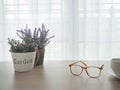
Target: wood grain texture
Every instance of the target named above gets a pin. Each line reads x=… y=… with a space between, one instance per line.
x=55 y=75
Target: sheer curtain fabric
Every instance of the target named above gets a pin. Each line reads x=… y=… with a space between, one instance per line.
x=83 y=29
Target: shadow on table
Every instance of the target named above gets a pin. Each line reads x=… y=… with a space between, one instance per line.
x=114 y=83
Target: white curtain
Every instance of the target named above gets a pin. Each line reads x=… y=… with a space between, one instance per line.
x=99 y=26
x=83 y=29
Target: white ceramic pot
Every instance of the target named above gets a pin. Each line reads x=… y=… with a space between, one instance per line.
x=23 y=61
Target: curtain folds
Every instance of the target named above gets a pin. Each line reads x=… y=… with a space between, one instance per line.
x=83 y=29
x=99 y=29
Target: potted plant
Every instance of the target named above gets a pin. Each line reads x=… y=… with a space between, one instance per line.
x=23 y=55
x=39 y=37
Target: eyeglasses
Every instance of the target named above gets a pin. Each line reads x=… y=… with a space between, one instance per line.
x=92 y=71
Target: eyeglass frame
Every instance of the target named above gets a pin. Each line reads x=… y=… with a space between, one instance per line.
x=85 y=68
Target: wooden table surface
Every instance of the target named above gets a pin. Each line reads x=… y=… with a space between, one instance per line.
x=55 y=75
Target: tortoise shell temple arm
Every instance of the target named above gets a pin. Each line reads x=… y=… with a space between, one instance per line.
x=78 y=62
x=83 y=63
x=70 y=65
x=102 y=66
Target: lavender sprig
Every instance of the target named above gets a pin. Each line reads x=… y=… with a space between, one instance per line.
x=39 y=36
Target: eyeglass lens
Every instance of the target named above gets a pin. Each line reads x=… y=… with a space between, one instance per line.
x=75 y=69
x=93 y=72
